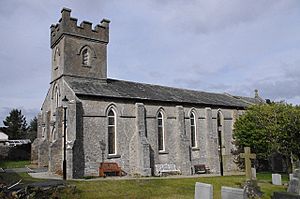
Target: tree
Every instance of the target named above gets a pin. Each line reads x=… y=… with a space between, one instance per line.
x=15 y=125
x=32 y=129
x=269 y=128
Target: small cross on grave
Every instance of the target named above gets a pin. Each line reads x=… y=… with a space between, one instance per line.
x=247 y=155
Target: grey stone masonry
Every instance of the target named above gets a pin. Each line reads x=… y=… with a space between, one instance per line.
x=183 y=161
x=75 y=151
x=69 y=42
x=68 y=25
x=139 y=145
x=212 y=143
x=56 y=145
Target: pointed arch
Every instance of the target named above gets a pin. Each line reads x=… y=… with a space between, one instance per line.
x=193 y=127
x=111 y=115
x=55 y=95
x=56 y=54
x=112 y=105
x=86 y=53
x=89 y=48
x=160 y=119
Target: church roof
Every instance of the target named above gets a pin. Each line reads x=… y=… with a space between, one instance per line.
x=252 y=100
x=132 y=90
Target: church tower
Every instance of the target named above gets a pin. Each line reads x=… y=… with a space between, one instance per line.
x=79 y=51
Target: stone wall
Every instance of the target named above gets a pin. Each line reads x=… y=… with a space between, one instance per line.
x=135 y=134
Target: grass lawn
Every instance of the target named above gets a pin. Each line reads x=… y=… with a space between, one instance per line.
x=6 y=164
x=154 y=188
x=166 y=188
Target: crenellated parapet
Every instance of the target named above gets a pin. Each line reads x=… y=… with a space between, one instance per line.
x=68 y=26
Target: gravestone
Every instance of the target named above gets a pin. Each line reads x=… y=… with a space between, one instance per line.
x=290 y=176
x=232 y=193
x=203 y=191
x=276 y=179
x=294 y=184
x=247 y=155
x=253 y=173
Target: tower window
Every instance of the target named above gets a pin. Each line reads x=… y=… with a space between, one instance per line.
x=85 y=57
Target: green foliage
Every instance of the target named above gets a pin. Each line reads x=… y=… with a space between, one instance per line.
x=33 y=125
x=269 y=128
x=32 y=129
x=15 y=125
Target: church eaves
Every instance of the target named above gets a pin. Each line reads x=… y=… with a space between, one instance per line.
x=121 y=89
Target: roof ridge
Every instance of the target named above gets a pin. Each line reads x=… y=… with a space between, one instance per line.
x=149 y=84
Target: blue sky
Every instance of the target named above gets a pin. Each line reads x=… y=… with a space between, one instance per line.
x=217 y=46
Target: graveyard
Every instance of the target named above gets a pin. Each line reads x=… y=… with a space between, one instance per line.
x=249 y=184
x=153 y=187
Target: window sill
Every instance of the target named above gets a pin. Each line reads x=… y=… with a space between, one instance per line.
x=113 y=156
x=163 y=152
x=195 y=149
x=86 y=66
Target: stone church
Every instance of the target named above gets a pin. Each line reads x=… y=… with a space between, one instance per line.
x=142 y=125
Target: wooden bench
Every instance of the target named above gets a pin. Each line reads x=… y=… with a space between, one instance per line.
x=166 y=169
x=109 y=167
x=201 y=169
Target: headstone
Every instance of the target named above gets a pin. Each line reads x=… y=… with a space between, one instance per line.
x=253 y=173
x=232 y=193
x=247 y=155
x=290 y=176
x=294 y=186
x=296 y=173
x=203 y=191
x=276 y=179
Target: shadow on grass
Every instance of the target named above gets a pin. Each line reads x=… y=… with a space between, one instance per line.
x=10 y=178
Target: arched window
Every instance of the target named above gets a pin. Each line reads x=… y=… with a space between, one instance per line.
x=193 y=130
x=57 y=58
x=160 y=131
x=111 y=132
x=85 y=57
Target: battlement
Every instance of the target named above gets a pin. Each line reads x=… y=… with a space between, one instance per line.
x=68 y=26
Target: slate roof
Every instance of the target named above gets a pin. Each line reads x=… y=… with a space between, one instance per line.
x=112 y=88
x=251 y=100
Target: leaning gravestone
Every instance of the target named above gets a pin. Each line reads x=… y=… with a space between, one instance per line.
x=232 y=193
x=203 y=191
x=276 y=179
